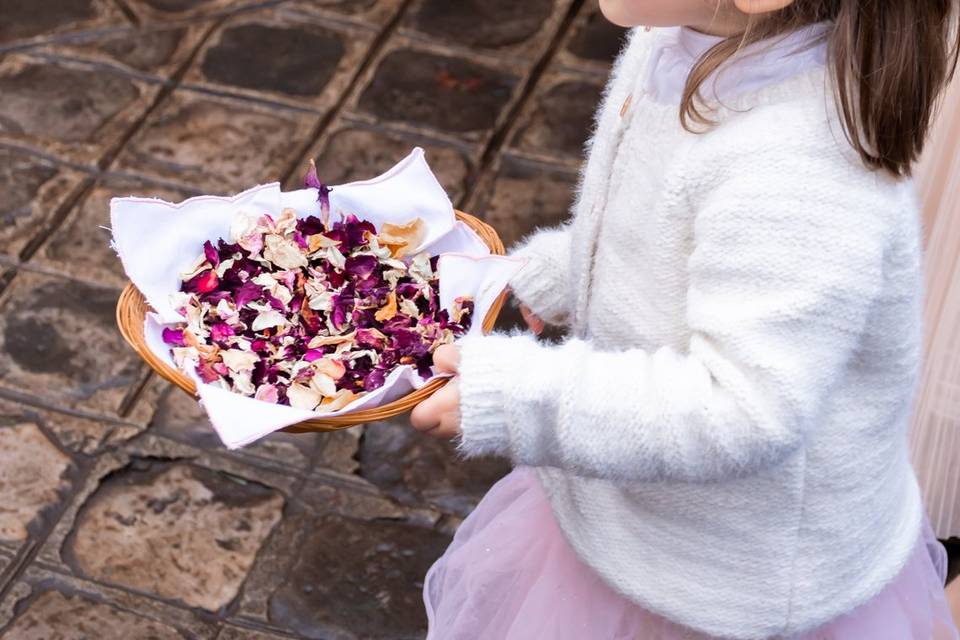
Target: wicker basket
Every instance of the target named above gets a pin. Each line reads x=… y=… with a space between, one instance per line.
x=132 y=308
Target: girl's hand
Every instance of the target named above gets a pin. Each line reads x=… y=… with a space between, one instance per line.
x=439 y=415
x=533 y=320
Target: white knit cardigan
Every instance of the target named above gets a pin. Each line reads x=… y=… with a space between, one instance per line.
x=723 y=436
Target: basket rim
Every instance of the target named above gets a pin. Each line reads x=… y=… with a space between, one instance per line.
x=132 y=307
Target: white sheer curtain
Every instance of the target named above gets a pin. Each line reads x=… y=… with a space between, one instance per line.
x=935 y=436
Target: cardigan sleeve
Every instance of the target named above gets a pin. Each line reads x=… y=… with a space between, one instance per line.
x=781 y=279
x=543 y=284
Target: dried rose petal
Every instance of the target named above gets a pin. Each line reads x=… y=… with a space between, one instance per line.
x=311 y=180
x=247 y=293
x=174 y=337
x=323 y=341
x=212 y=255
x=239 y=360
x=267 y=393
x=302 y=396
x=314 y=354
x=339 y=401
x=375 y=379
x=389 y=310
x=399 y=238
x=268 y=319
x=207 y=373
x=284 y=253
x=221 y=331
x=332 y=368
x=203 y=282
x=361 y=266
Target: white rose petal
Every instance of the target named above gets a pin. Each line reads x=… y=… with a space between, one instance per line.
x=242 y=382
x=238 y=360
x=303 y=397
x=336 y=258
x=265 y=280
x=224 y=265
x=284 y=253
x=287 y=222
x=321 y=302
x=199 y=265
x=409 y=307
x=182 y=354
x=267 y=319
x=324 y=384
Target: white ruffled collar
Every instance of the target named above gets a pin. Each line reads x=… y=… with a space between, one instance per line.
x=677 y=49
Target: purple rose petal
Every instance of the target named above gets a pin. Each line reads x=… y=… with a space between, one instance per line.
x=221 y=331
x=174 y=337
x=213 y=256
x=247 y=293
x=362 y=266
x=313 y=355
x=311 y=180
x=374 y=379
x=203 y=282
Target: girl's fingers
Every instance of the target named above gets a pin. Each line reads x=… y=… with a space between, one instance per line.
x=446 y=359
x=425 y=416
x=533 y=320
x=430 y=413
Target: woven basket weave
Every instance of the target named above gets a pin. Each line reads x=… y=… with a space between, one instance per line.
x=132 y=308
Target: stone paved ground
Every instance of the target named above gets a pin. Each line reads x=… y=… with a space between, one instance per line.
x=120 y=516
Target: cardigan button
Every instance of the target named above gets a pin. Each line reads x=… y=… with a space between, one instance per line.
x=626 y=105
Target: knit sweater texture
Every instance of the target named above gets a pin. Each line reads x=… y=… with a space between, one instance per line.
x=723 y=435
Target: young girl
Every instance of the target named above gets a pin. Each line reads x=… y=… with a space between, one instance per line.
x=719 y=448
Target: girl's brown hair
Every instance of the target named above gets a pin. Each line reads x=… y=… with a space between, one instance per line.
x=890 y=59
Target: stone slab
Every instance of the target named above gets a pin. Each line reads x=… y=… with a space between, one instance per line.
x=87 y=435
x=59 y=344
x=373 y=13
x=517 y=30
x=276 y=56
x=519 y=196
x=557 y=121
x=346 y=563
x=214 y=144
x=69 y=110
x=592 y=42
x=153 y=51
x=421 y=471
x=33 y=190
x=23 y=23
x=178 y=416
x=167 y=11
x=178 y=531
x=43 y=605
x=34 y=477
x=425 y=88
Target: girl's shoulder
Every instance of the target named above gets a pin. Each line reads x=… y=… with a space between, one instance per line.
x=792 y=152
x=795 y=128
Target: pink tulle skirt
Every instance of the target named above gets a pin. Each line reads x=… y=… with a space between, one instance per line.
x=509 y=574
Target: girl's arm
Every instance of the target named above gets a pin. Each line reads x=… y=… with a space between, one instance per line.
x=781 y=281
x=543 y=284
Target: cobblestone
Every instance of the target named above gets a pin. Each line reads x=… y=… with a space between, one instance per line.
x=69 y=110
x=31 y=480
x=178 y=531
x=60 y=344
x=32 y=190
